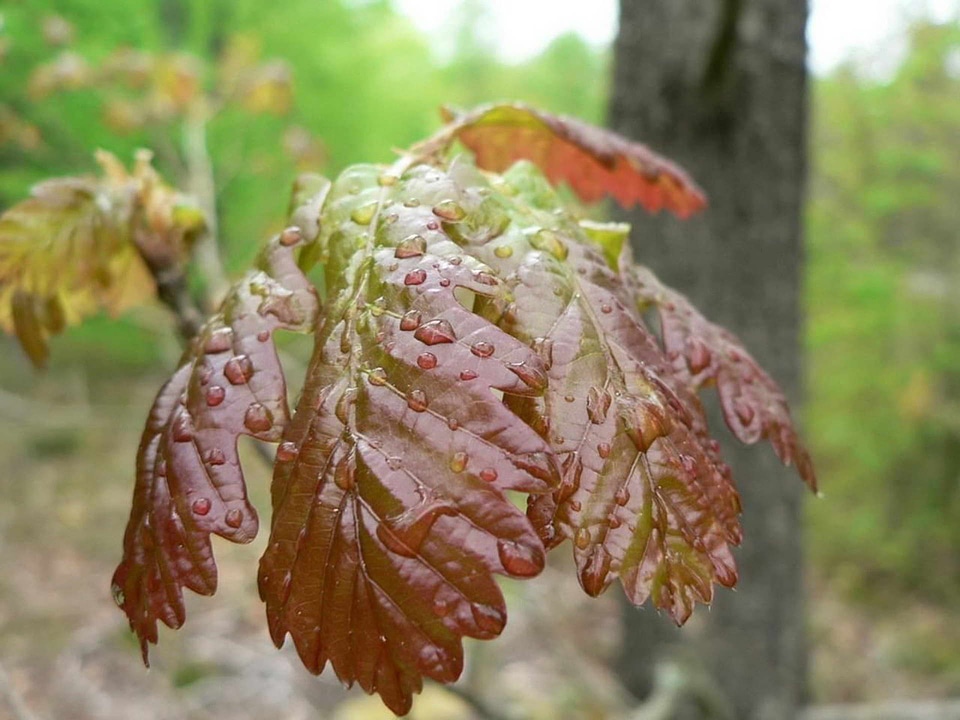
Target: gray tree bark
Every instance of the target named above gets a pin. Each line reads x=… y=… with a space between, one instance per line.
x=720 y=86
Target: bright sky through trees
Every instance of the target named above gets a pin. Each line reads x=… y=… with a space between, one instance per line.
x=521 y=28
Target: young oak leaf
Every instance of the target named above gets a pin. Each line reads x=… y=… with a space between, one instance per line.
x=189 y=483
x=703 y=353
x=593 y=161
x=390 y=514
x=644 y=495
x=81 y=244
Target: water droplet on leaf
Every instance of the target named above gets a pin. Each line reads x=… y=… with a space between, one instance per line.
x=215 y=395
x=201 y=506
x=287 y=451
x=291 y=236
x=503 y=251
x=238 y=370
x=234 y=518
x=467 y=375
x=415 y=277
x=603 y=450
x=258 y=418
x=488 y=475
x=417 y=400
x=214 y=456
x=427 y=361
x=458 y=463
x=411 y=246
x=435 y=332
x=482 y=349
x=582 y=538
x=219 y=341
x=449 y=210
x=377 y=376
x=410 y=320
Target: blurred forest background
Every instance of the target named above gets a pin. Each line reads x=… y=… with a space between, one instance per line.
x=236 y=96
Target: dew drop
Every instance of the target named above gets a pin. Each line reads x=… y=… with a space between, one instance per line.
x=435 y=332
x=214 y=456
x=417 y=400
x=412 y=246
x=181 y=430
x=453 y=423
x=458 y=463
x=387 y=180
x=238 y=370
x=433 y=225
x=263 y=335
x=569 y=398
x=201 y=506
x=377 y=377
x=503 y=251
x=615 y=522
x=215 y=395
x=582 y=538
x=415 y=277
x=410 y=320
x=234 y=518
x=258 y=418
x=291 y=236
x=394 y=462
x=449 y=210
x=485 y=279
x=489 y=619
x=219 y=341
x=411 y=203
x=622 y=496
x=364 y=214
x=488 y=475
x=445 y=282
x=468 y=375
x=287 y=451
x=606 y=309
x=427 y=360
x=482 y=349
x=603 y=450
x=548 y=241
x=519 y=560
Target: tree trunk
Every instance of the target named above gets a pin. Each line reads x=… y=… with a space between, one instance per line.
x=721 y=87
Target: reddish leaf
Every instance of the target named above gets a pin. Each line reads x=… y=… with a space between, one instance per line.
x=389 y=509
x=753 y=405
x=643 y=495
x=189 y=482
x=593 y=161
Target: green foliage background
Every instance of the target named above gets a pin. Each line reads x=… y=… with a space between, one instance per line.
x=883 y=230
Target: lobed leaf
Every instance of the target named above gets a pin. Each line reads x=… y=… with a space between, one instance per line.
x=703 y=354
x=189 y=481
x=81 y=244
x=593 y=161
x=390 y=512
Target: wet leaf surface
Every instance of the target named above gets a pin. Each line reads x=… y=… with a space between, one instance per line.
x=189 y=482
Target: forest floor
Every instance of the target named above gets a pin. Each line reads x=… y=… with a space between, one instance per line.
x=67 y=446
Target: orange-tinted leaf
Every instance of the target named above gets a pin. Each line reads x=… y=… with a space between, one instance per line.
x=703 y=354
x=79 y=244
x=390 y=513
x=595 y=162
x=189 y=482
